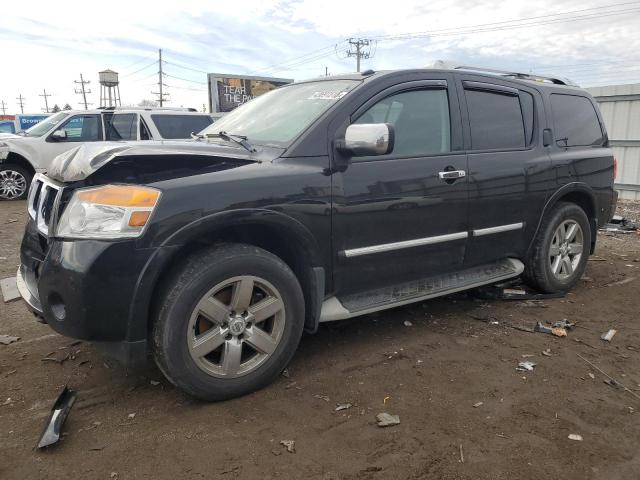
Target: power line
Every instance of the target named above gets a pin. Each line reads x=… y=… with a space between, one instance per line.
x=140 y=69
x=83 y=91
x=514 y=23
x=293 y=66
x=184 y=67
x=318 y=53
x=46 y=101
x=185 y=79
x=140 y=60
x=21 y=100
x=526 y=22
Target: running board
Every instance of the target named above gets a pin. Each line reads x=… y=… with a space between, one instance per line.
x=357 y=304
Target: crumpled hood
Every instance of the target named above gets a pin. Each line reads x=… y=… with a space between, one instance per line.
x=80 y=162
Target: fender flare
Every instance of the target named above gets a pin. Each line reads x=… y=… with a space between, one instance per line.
x=579 y=187
x=165 y=252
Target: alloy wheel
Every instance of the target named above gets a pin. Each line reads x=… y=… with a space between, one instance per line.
x=236 y=326
x=13 y=184
x=566 y=249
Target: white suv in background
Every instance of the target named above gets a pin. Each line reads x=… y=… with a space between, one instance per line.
x=26 y=153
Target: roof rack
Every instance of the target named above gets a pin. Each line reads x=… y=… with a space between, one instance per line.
x=507 y=73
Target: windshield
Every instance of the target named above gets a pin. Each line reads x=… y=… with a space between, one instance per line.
x=44 y=126
x=279 y=116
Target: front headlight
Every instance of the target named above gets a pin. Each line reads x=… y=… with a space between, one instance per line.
x=111 y=211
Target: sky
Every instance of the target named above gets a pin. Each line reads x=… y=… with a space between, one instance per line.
x=47 y=45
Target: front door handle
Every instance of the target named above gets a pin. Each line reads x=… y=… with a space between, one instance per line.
x=452 y=174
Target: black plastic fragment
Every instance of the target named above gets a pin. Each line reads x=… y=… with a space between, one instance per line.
x=59 y=412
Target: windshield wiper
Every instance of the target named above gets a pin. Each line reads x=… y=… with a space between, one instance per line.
x=230 y=137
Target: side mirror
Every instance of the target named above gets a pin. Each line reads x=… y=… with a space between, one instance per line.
x=60 y=134
x=368 y=139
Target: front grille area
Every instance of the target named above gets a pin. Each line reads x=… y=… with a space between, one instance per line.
x=43 y=200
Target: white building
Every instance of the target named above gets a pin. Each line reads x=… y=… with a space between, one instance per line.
x=620 y=106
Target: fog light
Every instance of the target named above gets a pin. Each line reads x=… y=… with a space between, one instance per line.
x=56 y=304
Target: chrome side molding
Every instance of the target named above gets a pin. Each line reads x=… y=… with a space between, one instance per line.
x=499 y=229
x=387 y=247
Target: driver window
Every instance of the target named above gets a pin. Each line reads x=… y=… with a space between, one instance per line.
x=420 y=119
x=82 y=128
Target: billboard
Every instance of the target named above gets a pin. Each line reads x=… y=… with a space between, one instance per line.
x=227 y=92
x=27 y=121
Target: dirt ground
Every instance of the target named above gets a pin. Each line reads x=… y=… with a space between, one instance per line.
x=432 y=372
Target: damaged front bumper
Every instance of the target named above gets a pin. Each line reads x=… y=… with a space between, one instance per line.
x=85 y=290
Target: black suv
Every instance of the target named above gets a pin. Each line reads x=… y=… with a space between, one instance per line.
x=318 y=201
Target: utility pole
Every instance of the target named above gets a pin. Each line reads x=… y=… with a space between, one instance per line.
x=83 y=91
x=21 y=100
x=360 y=51
x=161 y=96
x=46 y=101
x=3 y=106
x=326 y=71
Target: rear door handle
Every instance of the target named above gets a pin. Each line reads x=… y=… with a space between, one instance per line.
x=452 y=174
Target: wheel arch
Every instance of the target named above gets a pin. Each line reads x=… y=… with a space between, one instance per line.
x=15 y=158
x=580 y=194
x=275 y=232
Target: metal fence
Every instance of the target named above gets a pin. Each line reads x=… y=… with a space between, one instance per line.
x=620 y=106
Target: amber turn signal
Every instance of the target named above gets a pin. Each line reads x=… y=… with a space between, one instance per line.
x=121 y=196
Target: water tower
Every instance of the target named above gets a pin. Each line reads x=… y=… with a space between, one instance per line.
x=109 y=89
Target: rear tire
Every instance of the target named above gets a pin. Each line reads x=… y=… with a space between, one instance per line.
x=229 y=321
x=560 y=251
x=14 y=181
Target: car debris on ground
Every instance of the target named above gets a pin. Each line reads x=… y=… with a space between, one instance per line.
x=343 y=406
x=607 y=336
x=620 y=224
x=526 y=366
x=387 y=420
x=8 y=339
x=9 y=287
x=556 y=330
x=290 y=445
x=59 y=413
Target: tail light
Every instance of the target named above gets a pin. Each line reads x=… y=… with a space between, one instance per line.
x=615 y=167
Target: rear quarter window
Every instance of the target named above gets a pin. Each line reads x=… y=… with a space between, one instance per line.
x=575 y=121
x=180 y=126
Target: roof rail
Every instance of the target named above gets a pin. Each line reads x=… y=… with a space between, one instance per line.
x=507 y=73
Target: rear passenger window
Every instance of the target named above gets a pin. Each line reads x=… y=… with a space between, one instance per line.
x=495 y=120
x=122 y=127
x=575 y=121
x=420 y=119
x=180 y=126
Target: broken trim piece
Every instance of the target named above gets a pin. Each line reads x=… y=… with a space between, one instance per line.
x=59 y=412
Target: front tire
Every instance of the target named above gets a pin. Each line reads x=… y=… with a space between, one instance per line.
x=14 y=182
x=560 y=251
x=229 y=321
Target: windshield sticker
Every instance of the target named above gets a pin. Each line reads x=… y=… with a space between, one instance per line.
x=327 y=95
